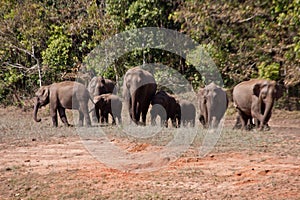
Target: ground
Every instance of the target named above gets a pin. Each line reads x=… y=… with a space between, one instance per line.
x=41 y=162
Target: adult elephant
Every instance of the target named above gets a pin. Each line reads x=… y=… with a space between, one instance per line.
x=108 y=104
x=167 y=107
x=61 y=96
x=255 y=99
x=213 y=103
x=188 y=113
x=139 y=87
x=98 y=86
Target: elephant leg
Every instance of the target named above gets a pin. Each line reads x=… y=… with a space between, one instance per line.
x=214 y=122
x=95 y=117
x=165 y=122
x=202 y=120
x=252 y=124
x=238 y=123
x=144 y=110
x=62 y=115
x=81 y=117
x=244 y=121
x=135 y=111
x=209 y=119
x=130 y=108
x=85 y=110
x=193 y=123
x=179 y=121
x=113 y=119
x=256 y=122
x=140 y=112
x=97 y=114
x=106 y=117
x=102 y=116
x=174 y=122
x=241 y=120
x=138 y=115
x=162 y=121
x=119 y=119
x=266 y=126
x=217 y=122
x=53 y=114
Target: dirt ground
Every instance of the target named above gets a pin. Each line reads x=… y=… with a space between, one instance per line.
x=41 y=162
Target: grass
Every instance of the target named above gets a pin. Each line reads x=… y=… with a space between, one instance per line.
x=19 y=131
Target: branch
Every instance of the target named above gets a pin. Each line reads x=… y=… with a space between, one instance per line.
x=24 y=50
x=247 y=19
x=250 y=18
x=19 y=66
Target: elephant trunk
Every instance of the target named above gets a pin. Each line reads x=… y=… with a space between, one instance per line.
x=266 y=114
x=36 y=108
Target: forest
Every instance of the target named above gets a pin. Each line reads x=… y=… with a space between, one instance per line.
x=49 y=40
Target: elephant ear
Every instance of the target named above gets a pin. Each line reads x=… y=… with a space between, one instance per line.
x=256 y=89
x=92 y=84
x=43 y=93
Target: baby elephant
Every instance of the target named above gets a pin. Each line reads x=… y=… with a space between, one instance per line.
x=188 y=113
x=167 y=107
x=108 y=104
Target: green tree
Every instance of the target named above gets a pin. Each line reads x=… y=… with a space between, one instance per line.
x=246 y=35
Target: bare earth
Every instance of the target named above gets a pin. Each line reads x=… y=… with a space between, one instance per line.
x=41 y=162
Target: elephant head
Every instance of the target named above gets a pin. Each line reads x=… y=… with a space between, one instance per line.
x=266 y=92
x=99 y=85
x=202 y=99
x=41 y=99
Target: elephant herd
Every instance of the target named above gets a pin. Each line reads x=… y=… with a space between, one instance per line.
x=252 y=99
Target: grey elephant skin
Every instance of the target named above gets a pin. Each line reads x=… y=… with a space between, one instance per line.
x=139 y=87
x=255 y=99
x=100 y=85
x=108 y=104
x=188 y=113
x=167 y=107
x=61 y=96
x=213 y=103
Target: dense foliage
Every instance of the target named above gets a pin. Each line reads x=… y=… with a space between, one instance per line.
x=50 y=39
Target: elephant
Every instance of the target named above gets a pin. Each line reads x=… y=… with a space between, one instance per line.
x=188 y=113
x=255 y=99
x=108 y=104
x=213 y=102
x=99 y=85
x=61 y=96
x=139 y=87
x=167 y=107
